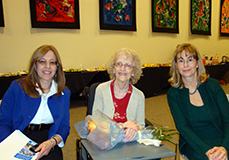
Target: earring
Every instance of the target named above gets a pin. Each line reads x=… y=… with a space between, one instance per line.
x=197 y=66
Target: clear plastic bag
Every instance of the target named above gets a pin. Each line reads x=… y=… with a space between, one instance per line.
x=107 y=132
x=106 y=135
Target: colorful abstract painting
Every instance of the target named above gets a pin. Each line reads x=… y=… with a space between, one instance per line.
x=165 y=16
x=201 y=17
x=55 y=11
x=118 y=14
x=224 y=18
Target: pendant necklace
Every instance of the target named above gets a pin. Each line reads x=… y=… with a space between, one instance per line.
x=195 y=89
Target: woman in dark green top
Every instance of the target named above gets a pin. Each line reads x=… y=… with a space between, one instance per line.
x=199 y=107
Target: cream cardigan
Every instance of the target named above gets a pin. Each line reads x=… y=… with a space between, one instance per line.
x=135 y=110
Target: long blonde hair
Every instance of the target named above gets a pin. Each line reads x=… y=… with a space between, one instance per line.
x=191 y=50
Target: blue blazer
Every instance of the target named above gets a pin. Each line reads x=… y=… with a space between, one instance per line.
x=18 y=109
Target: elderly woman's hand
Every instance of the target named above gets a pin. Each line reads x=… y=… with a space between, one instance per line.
x=130 y=134
x=44 y=148
x=130 y=125
x=131 y=130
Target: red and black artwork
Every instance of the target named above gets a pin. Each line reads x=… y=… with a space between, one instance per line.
x=55 y=13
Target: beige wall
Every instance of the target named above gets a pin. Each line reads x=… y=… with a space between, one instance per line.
x=91 y=46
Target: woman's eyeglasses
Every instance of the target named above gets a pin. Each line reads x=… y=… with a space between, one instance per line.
x=44 y=62
x=189 y=60
x=126 y=66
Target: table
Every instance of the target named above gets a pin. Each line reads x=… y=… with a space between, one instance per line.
x=5 y=83
x=130 y=150
x=154 y=81
x=217 y=71
x=77 y=81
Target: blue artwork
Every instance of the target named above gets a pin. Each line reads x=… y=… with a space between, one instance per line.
x=118 y=12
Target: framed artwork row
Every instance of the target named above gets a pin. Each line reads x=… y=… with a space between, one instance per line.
x=121 y=15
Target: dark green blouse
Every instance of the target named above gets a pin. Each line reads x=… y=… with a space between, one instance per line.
x=202 y=123
x=200 y=128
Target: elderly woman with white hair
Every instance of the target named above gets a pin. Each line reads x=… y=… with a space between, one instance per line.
x=118 y=98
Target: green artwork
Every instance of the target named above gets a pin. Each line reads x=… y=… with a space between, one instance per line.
x=201 y=15
x=165 y=13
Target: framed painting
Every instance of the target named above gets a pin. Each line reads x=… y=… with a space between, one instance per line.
x=1 y=15
x=117 y=15
x=55 y=14
x=201 y=17
x=165 y=16
x=224 y=18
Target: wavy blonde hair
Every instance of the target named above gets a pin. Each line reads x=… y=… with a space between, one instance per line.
x=137 y=70
x=190 y=50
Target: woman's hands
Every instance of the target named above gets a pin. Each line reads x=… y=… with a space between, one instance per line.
x=44 y=148
x=217 y=153
x=130 y=125
x=131 y=131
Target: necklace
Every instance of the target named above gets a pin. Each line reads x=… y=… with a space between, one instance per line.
x=195 y=89
x=121 y=90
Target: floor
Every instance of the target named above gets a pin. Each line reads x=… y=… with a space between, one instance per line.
x=157 y=112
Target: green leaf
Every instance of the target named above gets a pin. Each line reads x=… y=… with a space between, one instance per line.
x=164 y=134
